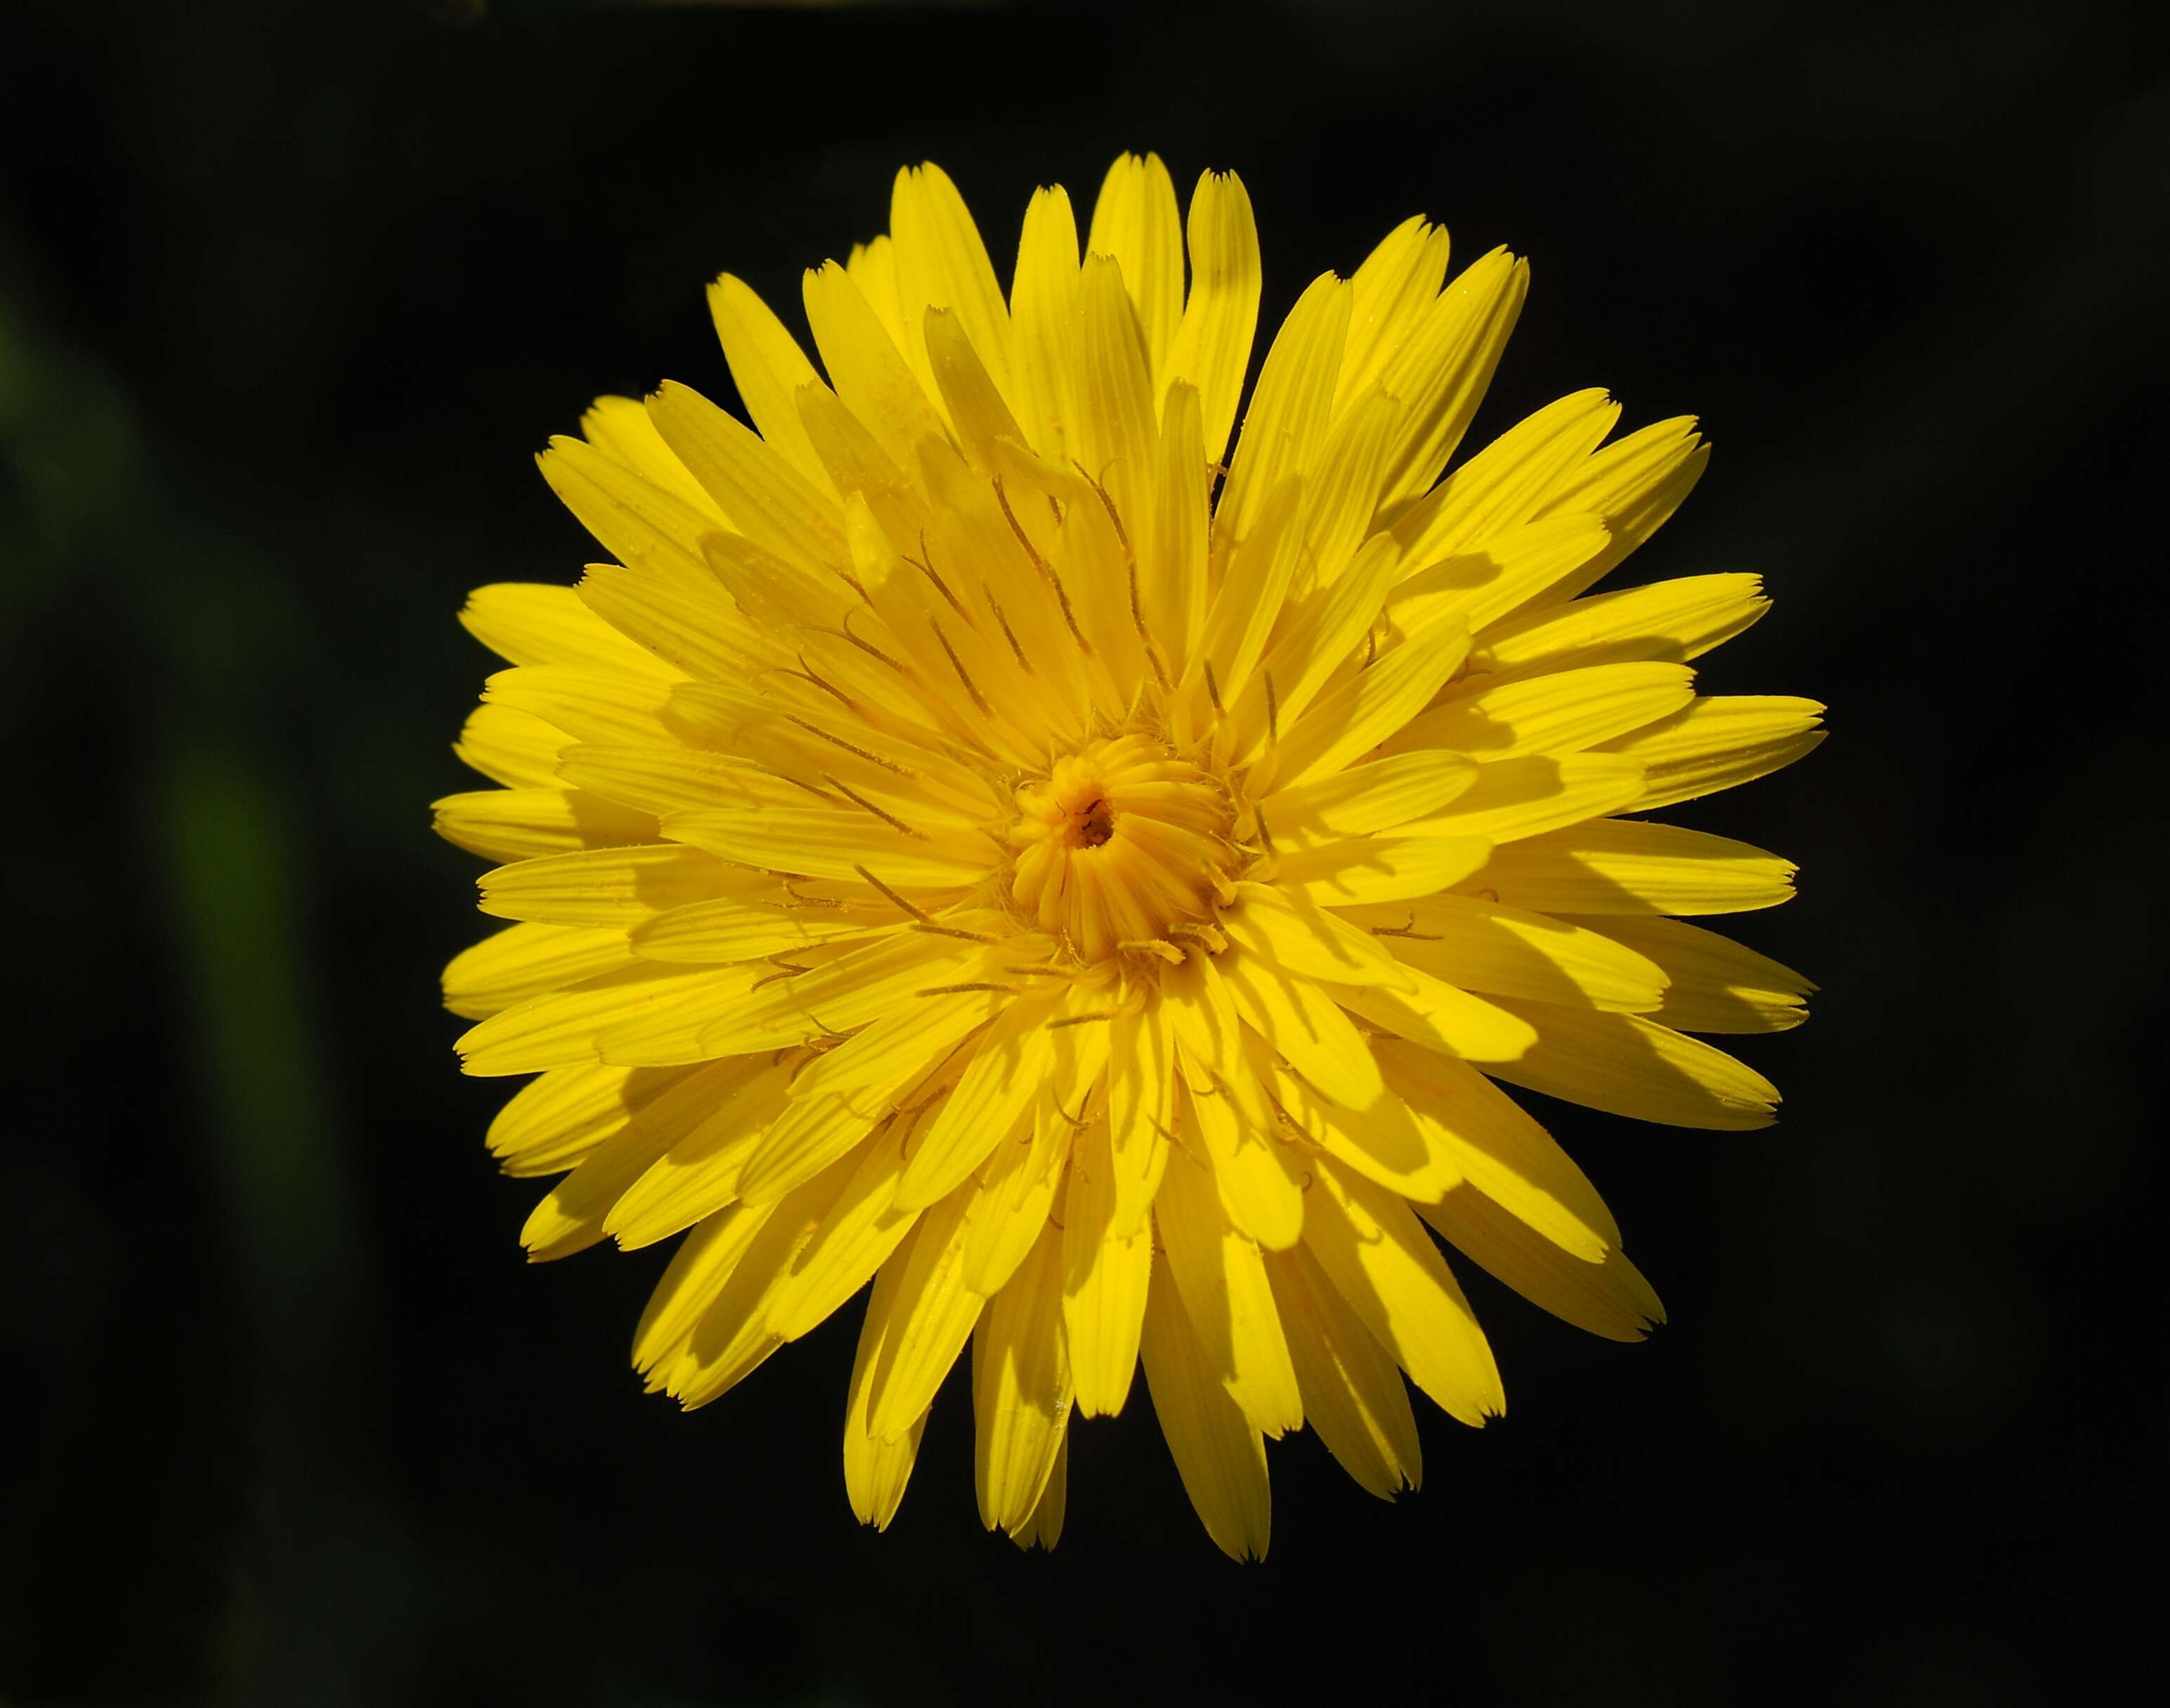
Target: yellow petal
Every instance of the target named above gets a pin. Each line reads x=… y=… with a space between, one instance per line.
x=1718 y=742
x=1515 y=798
x=1508 y=482
x=1495 y=576
x=1115 y=436
x=934 y=1317
x=1351 y=1389
x=774 y=593
x=1044 y=310
x=1628 y=1066
x=1608 y=1297
x=1495 y=1145
x=526 y=824
x=614 y=887
x=859 y=1233
x=1104 y=1279
x=558 y=1117
x=1351 y=719
x=875 y=1470
x=976 y=407
x=1480 y=945
x=517 y=749
x=769 y=369
x=846 y=1090
x=699 y=1270
x=1286 y=424
x=1140 y=1088
x=941 y=264
x=692 y=625
x=562 y=1029
x=1074 y=1085
x=869 y=373
x=1381 y=868
x=1218 y=1451
x=667 y=1032
x=1339 y=498
x=995 y=1088
x=736 y=1333
x=699 y=1174
x=1225 y=1108
x=529 y=623
x=832 y=842
x=864 y=472
x=772 y=504
x=1222 y=1279
x=660 y=780
x=1282 y=927
x=1620 y=866
x=1301 y=1022
x=1250 y=597
x=1202 y=1020
x=642 y=525
x=1134 y=222
x=571 y=1219
x=861 y=984
x=1368 y=799
x=740 y=928
x=795 y=730
x=1020 y=1390
x=529 y=960
x=619 y=428
x=1632 y=485
x=1392 y=292
x=1257 y=1192
x=1677 y=620
x=1044 y=1529
x=872 y=266
x=1174 y=596
x=1442 y=368
x=1383 y=1142
x=1435 y=1014
x=1312 y=641
x=1553 y=715
x=1019 y=1189
x=605 y=706
x=1383 y=1263
x=1716 y=985
x=1221 y=315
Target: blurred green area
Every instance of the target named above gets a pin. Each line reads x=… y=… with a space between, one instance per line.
x=286 y=296
x=90 y=518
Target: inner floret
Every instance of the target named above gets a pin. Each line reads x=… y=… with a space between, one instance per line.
x=1123 y=847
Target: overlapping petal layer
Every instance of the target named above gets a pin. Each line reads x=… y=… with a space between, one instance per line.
x=971 y=845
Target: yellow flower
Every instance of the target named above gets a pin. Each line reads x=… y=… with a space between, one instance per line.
x=953 y=850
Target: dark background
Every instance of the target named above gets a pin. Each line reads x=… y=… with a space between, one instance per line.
x=288 y=296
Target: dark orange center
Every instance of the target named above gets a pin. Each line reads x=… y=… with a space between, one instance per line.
x=1095 y=825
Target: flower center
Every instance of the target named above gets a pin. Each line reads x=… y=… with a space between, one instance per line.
x=1121 y=847
x=1094 y=826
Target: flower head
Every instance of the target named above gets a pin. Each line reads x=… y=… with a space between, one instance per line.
x=968 y=844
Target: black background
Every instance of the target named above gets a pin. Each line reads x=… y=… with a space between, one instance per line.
x=288 y=296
